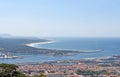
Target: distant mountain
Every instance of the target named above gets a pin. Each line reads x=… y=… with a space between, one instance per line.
x=16 y=37
x=6 y=36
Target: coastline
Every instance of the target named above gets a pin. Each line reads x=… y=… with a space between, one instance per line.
x=70 y=60
x=36 y=43
x=30 y=54
x=52 y=41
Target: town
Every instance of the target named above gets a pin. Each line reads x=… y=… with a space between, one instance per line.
x=101 y=67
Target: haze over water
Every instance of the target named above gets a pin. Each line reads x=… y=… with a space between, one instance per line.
x=63 y=18
x=110 y=47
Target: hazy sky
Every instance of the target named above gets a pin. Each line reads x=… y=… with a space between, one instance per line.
x=78 y=18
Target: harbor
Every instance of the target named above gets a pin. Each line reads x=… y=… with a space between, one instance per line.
x=8 y=56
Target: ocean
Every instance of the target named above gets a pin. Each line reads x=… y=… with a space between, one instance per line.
x=109 y=47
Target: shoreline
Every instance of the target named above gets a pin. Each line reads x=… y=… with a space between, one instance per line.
x=36 y=43
x=52 y=41
x=68 y=60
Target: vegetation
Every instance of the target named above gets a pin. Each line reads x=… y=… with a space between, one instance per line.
x=17 y=45
x=10 y=70
x=41 y=75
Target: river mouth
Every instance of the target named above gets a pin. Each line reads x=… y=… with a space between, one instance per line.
x=40 y=45
x=99 y=47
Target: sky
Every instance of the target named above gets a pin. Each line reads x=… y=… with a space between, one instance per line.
x=60 y=18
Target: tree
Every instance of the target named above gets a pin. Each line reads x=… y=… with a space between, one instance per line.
x=10 y=70
x=41 y=75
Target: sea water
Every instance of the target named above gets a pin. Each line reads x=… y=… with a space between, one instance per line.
x=109 y=47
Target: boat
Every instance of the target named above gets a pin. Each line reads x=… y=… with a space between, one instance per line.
x=6 y=56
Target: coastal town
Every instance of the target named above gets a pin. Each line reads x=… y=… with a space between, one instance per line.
x=59 y=38
x=30 y=60
x=101 y=67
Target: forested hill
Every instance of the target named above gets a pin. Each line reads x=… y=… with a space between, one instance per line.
x=18 y=44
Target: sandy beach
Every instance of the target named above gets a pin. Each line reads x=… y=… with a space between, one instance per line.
x=51 y=41
x=33 y=44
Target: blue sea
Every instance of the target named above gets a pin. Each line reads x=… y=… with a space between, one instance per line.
x=109 y=47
